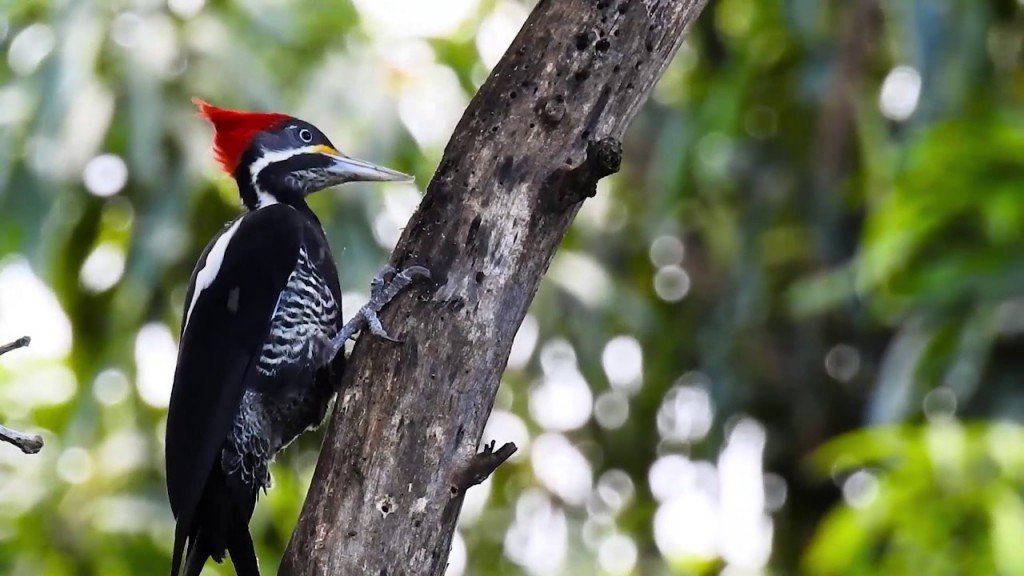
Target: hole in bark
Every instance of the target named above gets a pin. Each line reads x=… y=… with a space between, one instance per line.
x=629 y=86
x=582 y=40
x=623 y=7
x=480 y=276
x=533 y=125
x=649 y=45
x=585 y=135
x=512 y=95
x=386 y=506
x=602 y=45
x=615 y=33
x=454 y=490
x=495 y=128
x=638 y=64
x=559 y=98
x=616 y=69
x=581 y=75
x=352 y=533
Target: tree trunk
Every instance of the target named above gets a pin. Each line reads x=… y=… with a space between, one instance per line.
x=400 y=450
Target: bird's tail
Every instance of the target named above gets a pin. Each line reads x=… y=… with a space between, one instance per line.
x=220 y=524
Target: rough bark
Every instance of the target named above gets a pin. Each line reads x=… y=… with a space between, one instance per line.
x=401 y=446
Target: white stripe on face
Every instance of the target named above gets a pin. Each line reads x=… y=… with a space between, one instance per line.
x=214 y=260
x=263 y=198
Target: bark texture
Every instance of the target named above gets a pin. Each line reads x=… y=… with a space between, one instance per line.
x=400 y=450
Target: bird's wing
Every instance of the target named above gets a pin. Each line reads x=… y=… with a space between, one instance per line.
x=228 y=307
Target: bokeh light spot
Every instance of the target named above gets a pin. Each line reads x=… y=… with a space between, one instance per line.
x=74 y=465
x=103 y=268
x=611 y=409
x=901 y=91
x=155 y=357
x=30 y=47
x=667 y=251
x=105 y=175
x=671 y=283
x=622 y=360
x=561 y=468
x=860 y=489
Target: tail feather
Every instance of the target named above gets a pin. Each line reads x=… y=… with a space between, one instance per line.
x=197 y=557
x=243 y=555
x=220 y=525
x=179 y=546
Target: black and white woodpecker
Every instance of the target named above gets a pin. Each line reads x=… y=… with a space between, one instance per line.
x=262 y=336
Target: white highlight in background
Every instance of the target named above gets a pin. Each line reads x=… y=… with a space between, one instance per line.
x=746 y=538
x=561 y=468
x=901 y=92
x=414 y=17
x=497 y=31
x=105 y=175
x=524 y=342
x=103 y=268
x=538 y=538
x=623 y=363
x=155 y=359
x=29 y=308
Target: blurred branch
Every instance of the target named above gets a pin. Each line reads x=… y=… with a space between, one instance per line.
x=19 y=343
x=836 y=130
x=27 y=443
x=386 y=493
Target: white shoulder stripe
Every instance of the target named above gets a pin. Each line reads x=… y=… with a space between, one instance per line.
x=211 y=267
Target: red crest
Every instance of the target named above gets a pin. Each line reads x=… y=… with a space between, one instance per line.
x=233 y=131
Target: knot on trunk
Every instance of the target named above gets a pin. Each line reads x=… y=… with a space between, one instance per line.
x=567 y=187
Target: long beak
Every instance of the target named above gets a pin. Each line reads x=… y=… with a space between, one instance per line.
x=344 y=169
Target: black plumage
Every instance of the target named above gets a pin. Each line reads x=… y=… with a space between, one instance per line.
x=256 y=356
x=233 y=405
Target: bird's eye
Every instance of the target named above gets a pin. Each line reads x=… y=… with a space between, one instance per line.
x=305 y=135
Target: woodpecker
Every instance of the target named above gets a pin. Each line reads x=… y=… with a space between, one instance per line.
x=262 y=335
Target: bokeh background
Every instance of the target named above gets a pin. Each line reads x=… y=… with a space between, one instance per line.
x=788 y=338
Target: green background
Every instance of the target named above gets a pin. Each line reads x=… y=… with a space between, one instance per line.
x=787 y=338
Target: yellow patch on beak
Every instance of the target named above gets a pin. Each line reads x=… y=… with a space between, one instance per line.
x=324 y=149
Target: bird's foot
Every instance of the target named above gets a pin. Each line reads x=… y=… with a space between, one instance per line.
x=382 y=291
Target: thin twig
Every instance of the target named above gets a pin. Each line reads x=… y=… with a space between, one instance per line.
x=19 y=343
x=27 y=443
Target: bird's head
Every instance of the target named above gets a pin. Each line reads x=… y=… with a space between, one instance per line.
x=279 y=158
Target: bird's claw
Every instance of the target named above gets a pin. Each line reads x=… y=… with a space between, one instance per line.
x=382 y=291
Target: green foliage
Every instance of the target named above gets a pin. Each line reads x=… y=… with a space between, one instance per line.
x=916 y=490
